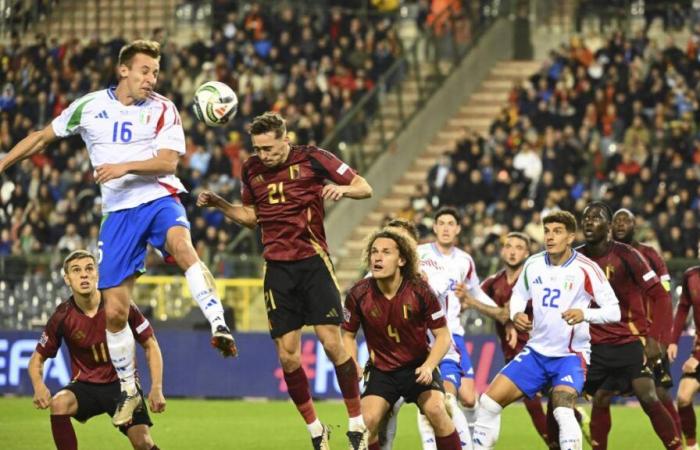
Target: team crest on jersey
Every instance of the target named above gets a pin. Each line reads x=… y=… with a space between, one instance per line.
x=375 y=312
x=568 y=282
x=609 y=271
x=145 y=116
x=78 y=335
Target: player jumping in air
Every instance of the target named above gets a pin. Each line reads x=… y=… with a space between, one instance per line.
x=690 y=382
x=561 y=283
x=94 y=389
x=395 y=309
x=134 y=138
x=283 y=189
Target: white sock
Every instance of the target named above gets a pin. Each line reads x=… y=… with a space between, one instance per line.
x=459 y=420
x=357 y=424
x=203 y=290
x=570 y=437
x=427 y=434
x=488 y=424
x=392 y=424
x=315 y=428
x=122 y=351
x=470 y=413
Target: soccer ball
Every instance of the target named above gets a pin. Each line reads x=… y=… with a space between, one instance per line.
x=215 y=103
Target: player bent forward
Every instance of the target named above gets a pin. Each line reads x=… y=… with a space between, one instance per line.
x=395 y=309
x=94 y=390
x=561 y=283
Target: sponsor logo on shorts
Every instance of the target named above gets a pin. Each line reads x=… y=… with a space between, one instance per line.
x=568 y=379
x=332 y=313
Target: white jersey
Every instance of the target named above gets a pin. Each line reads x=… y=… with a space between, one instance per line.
x=457 y=267
x=555 y=289
x=116 y=133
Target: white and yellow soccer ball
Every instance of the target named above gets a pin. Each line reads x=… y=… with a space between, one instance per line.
x=215 y=103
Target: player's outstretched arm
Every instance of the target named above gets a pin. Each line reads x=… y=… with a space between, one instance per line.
x=241 y=214
x=358 y=189
x=34 y=143
x=164 y=163
x=468 y=301
x=42 y=395
x=154 y=358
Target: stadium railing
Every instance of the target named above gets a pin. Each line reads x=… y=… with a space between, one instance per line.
x=424 y=65
x=170 y=298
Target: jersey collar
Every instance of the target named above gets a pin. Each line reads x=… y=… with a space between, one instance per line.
x=112 y=93
x=568 y=261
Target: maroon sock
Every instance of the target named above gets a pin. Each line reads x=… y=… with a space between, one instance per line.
x=349 y=386
x=663 y=425
x=687 y=417
x=449 y=442
x=298 y=388
x=671 y=408
x=552 y=426
x=534 y=408
x=601 y=422
x=375 y=446
x=63 y=433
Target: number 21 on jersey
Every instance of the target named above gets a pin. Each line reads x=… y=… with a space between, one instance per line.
x=275 y=193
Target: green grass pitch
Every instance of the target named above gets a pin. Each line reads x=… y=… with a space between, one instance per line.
x=261 y=425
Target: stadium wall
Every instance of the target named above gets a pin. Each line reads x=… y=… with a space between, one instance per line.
x=190 y=363
x=495 y=45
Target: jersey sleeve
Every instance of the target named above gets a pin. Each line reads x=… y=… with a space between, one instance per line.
x=351 y=316
x=246 y=191
x=51 y=337
x=433 y=313
x=330 y=167
x=169 y=132
x=521 y=292
x=598 y=288
x=645 y=277
x=684 y=305
x=657 y=263
x=71 y=120
x=140 y=326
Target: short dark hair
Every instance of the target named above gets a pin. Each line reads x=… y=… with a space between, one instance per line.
x=269 y=121
x=448 y=211
x=519 y=235
x=563 y=217
x=603 y=206
x=127 y=53
x=404 y=224
x=77 y=254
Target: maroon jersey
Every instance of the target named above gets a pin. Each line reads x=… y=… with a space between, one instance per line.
x=633 y=281
x=395 y=329
x=86 y=340
x=288 y=203
x=497 y=287
x=657 y=263
x=690 y=298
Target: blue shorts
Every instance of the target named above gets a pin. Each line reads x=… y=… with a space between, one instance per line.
x=465 y=360
x=451 y=371
x=532 y=371
x=125 y=233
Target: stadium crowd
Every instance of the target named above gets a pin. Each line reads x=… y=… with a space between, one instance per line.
x=618 y=122
x=311 y=67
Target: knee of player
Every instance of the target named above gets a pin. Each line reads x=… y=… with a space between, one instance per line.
x=647 y=397
x=142 y=442
x=290 y=360
x=434 y=411
x=60 y=404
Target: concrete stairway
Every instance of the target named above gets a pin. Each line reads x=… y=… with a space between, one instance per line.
x=476 y=114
